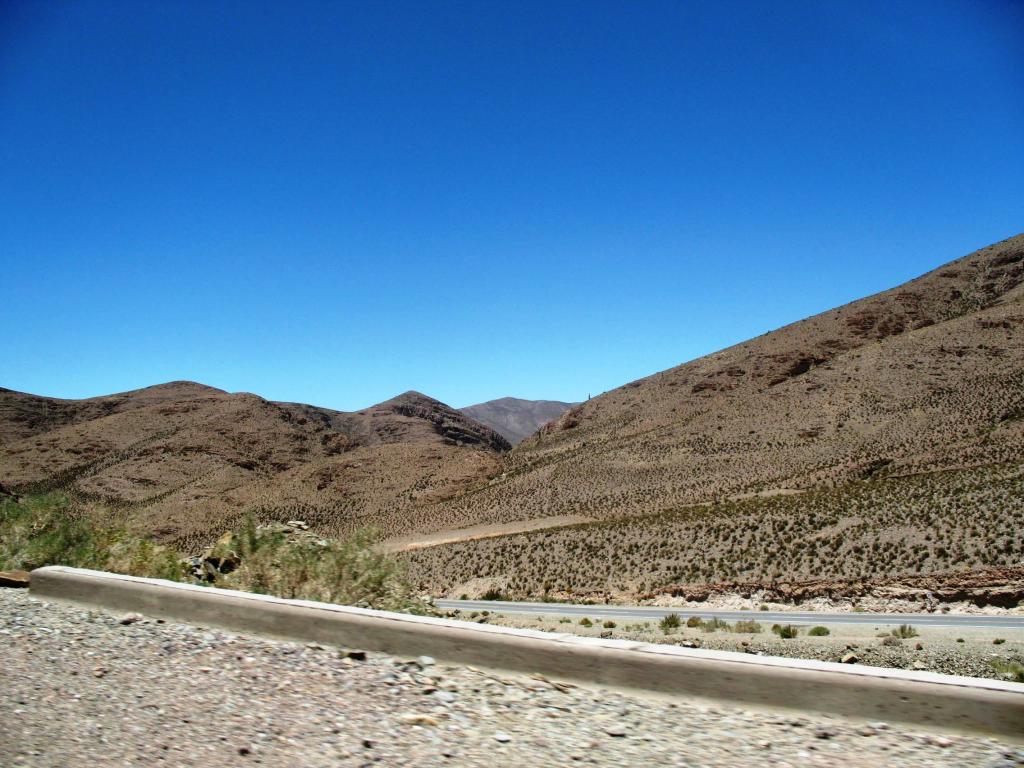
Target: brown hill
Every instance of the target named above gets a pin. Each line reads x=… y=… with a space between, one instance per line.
x=922 y=380
x=185 y=461
x=516 y=419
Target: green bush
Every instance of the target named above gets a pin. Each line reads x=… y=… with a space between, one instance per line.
x=45 y=530
x=818 y=631
x=670 y=623
x=694 y=621
x=585 y=622
x=609 y=624
x=351 y=571
x=52 y=530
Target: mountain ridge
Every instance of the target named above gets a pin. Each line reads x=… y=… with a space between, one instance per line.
x=188 y=460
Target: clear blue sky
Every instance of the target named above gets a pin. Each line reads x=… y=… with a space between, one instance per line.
x=336 y=202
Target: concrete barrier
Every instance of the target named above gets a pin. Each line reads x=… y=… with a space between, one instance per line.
x=918 y=698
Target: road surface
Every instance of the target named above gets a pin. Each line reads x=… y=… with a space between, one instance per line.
x=636 y=613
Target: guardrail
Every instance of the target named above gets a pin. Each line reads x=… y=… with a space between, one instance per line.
x=917 y=698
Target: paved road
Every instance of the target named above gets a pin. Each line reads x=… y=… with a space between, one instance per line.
x=789 y=617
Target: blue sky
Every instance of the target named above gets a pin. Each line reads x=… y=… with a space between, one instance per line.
x=335 y=202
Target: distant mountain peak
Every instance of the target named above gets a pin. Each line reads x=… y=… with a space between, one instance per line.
x=515 y=418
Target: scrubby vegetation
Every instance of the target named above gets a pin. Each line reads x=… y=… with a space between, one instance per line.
x=45 y=530
x=785 y=631
x=904 y=631
x=52 y=530
x=747 y=627
x=1010 y=670
x=670 y=623
x=892 y=526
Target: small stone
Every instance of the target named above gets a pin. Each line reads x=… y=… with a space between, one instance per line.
x=850 y=658
x=131 y=618
x=940 y=741
x=918 y=665
x=369 y=743
x=418 y=719
x=918 y=647
x=445 y=697
x=14 y=579
x=99 y=672
x=426 y=661
x=354 y=655
x=824 y=733
x=502 y=737
x=616 y=731
x=243 y=751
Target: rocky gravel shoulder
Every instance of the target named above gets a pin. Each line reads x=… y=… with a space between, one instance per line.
x=82 y=688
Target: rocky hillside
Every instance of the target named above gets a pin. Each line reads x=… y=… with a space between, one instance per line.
x=516 y=419
x=926 y=376
x=185 y=461
x=882 y=438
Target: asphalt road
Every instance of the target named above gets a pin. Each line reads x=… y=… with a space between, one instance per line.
x=789 y=617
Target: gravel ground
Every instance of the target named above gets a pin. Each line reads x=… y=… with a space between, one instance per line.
x=82 y=688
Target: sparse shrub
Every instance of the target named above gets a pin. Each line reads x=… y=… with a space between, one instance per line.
x=818 y=631
x=694 y=621
x=785 y=631
x=891 y=641
x=492 y=594
x=904 y=631
x=669 y=623
x=585 y=622
x=609 y=624
x=565 y=620
x=1011 y=670
x=747 y=627
x=762 y=607
x=999 y=641
x=714 y=624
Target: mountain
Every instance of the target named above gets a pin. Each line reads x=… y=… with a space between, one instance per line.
x=887 y=434
x=516 y=419
x=884 y=437
x=184 y=461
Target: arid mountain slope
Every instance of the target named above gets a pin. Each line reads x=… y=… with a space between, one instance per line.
x=516 y=419
x=185 y=461
x=881 y=438
x=926 y=376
